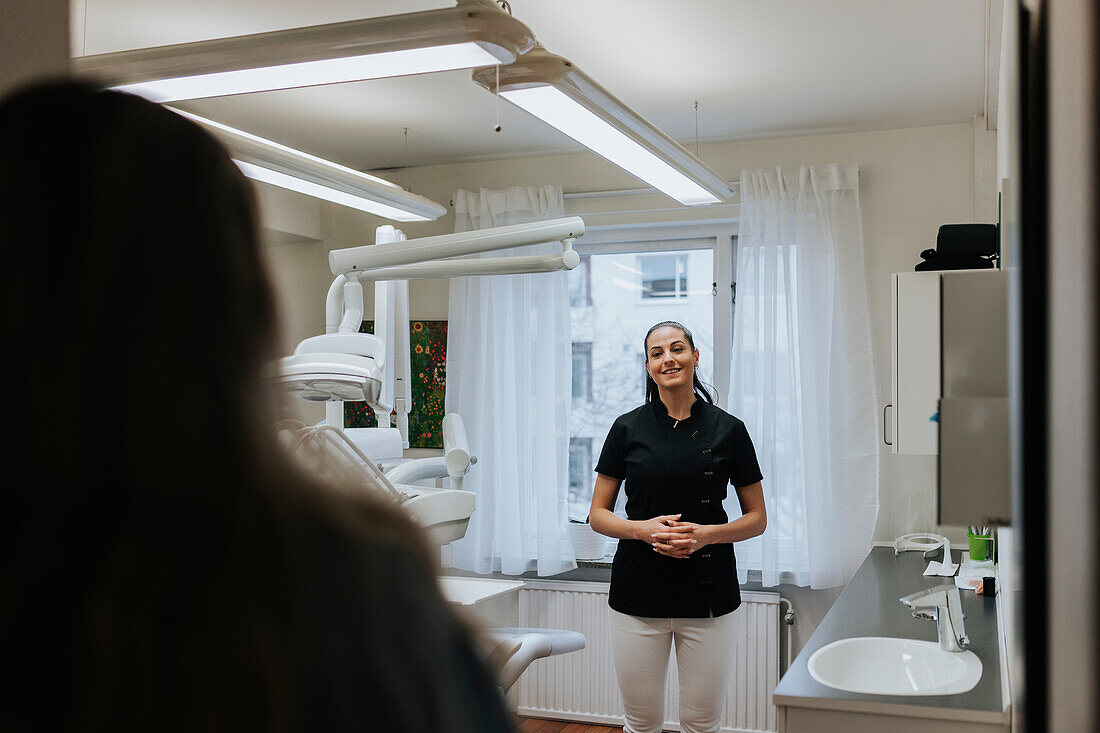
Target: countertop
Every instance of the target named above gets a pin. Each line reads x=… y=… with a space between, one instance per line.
x=869 y=606
x=471 y=591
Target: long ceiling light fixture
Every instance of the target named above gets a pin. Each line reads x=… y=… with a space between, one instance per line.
x=475 y=33
x=557 y=92
x=264 y=160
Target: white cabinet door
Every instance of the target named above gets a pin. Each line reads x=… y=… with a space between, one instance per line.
x=915 y=361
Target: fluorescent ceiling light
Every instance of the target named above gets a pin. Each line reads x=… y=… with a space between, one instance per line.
x=282 y=180
x=556 y=108
x=473 y=34
x=268 y=161
x=313 y=73
x=560 y=94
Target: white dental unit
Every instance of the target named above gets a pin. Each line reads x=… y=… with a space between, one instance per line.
x=345 y=365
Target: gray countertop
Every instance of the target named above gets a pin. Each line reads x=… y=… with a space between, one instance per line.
x=869 y=606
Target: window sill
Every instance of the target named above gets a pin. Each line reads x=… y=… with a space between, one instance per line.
x=590 y=571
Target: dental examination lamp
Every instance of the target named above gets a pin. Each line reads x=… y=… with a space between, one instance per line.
x=343 y=364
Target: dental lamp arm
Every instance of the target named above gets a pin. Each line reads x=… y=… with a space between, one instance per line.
x=334 y=304
x=463 y=267
x=353 y=307
x=426 y=249
x=349 y=323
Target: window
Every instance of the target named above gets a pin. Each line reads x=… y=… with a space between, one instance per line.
x=581 y=477
x=608 y=354
x=582 y=371
x=664 y=276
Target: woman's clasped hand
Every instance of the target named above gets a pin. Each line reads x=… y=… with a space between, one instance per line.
x=673 y=538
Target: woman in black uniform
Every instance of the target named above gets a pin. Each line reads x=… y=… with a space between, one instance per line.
x=674 y=578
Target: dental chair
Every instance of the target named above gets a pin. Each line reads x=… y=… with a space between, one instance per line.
x=443 y=514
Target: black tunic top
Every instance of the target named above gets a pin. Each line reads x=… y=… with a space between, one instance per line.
x=677 y=467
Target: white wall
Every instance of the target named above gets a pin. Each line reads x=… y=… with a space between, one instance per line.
x=34 y=40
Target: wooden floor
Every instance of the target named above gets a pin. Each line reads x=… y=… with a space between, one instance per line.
x=537 y=725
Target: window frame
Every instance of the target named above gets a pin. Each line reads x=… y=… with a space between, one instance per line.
x=663 y=236
x=679 y=291
x=584 y=350
x=582 y=441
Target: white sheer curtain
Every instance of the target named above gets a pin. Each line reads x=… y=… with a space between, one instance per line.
x=802 y=376
x=509 y=368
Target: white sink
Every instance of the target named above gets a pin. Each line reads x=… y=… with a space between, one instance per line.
x=884 y=666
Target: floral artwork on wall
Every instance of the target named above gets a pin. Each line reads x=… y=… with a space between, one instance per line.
x=428 y=368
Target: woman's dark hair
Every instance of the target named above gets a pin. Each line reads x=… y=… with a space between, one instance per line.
x=164 y=565
x=651 y=386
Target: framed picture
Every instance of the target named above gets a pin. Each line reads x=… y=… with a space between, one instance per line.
x=428 y=370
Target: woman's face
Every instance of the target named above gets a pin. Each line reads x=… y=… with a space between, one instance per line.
x=670 y=360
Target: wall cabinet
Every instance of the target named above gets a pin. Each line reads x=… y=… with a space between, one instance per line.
x=948 y=335
x=915 y=363
x=949 y=356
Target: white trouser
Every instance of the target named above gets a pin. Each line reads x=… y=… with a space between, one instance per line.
x=704 y=659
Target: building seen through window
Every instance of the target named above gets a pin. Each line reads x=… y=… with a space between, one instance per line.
x=664 y=275
x=614 y=299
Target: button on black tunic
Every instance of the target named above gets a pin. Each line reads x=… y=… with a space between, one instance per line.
x=683 y=468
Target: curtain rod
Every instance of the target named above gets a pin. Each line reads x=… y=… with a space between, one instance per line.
x=622 y=192
x=636 y=191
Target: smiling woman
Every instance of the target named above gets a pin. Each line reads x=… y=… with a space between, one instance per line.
x=671 y=361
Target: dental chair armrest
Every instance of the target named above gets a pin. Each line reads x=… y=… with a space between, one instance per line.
x=417 y=469
x=513 y=654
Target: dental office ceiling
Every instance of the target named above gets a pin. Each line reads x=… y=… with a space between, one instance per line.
x=756 y=68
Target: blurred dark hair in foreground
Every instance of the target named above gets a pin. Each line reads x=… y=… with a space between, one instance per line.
x=163 y=564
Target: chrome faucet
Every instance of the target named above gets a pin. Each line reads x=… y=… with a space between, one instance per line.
x=943 y=604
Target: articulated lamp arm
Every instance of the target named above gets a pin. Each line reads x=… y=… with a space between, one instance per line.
x=428 y=256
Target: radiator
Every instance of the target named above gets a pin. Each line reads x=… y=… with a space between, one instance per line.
x=581 y=686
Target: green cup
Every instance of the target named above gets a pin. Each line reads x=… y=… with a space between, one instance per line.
x=979 y=546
